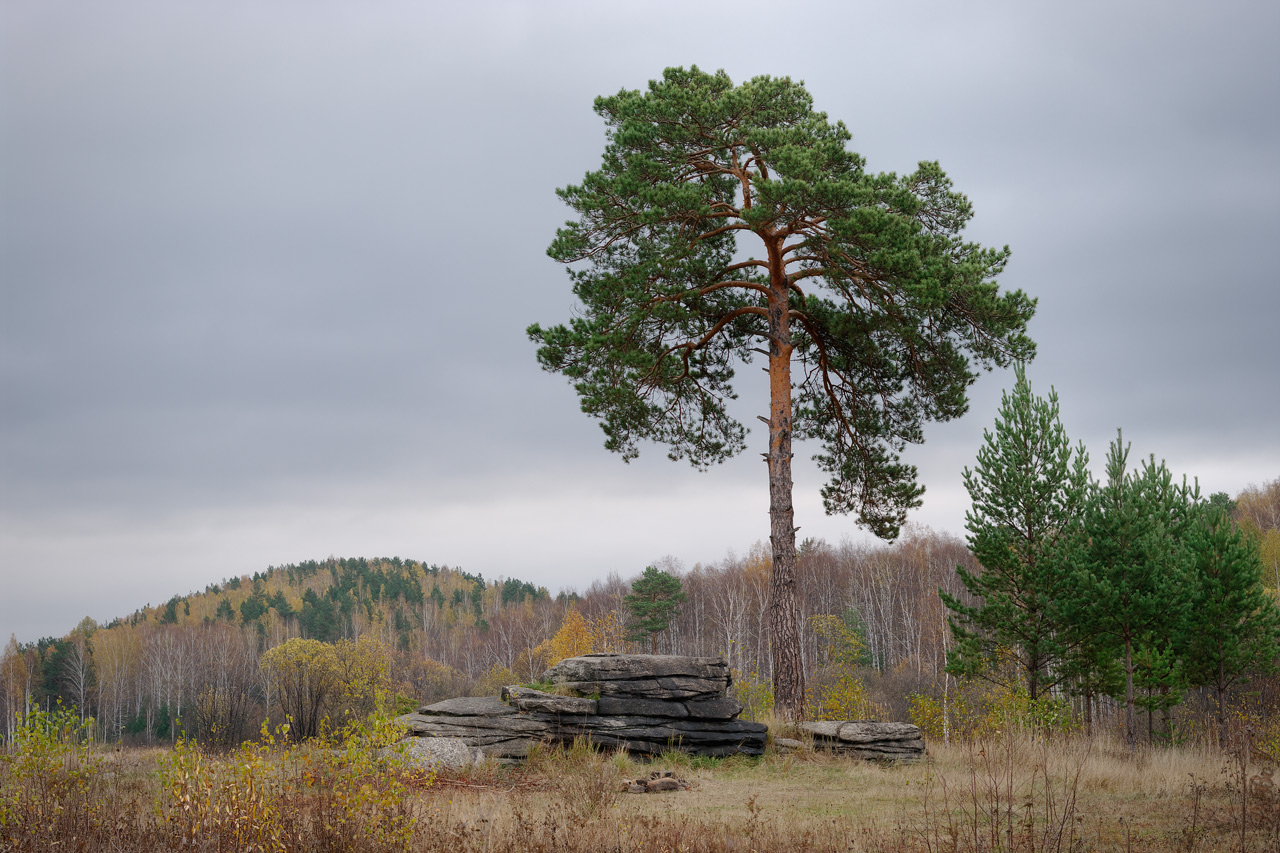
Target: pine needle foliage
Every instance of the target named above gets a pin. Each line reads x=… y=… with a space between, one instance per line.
x=1028 y=491
x=653 y=601
x=727 y=222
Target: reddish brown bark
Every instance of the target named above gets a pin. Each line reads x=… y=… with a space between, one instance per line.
x=788 y=673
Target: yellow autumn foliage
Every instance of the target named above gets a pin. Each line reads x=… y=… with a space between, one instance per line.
x=574 y=638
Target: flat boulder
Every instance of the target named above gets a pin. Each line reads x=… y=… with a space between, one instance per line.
x=468 y=706
x=611 y=667
x=675 y=687
x=867 y=739
x=442 y=726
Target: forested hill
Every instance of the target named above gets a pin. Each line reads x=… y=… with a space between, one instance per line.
x=337 y=599
x=447 y=632
x=873 y=627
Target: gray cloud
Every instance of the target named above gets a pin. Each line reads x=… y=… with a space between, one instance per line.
x=265 y=268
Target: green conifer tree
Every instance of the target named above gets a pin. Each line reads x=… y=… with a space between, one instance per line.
x=862 y=282
x=1130 y=590
x=1028 y=491
x=655 y=597
x=1234 y=623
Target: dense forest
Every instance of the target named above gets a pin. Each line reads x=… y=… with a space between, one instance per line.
x=876 y=638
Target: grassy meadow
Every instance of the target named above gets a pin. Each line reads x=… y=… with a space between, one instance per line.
x=1007 y=791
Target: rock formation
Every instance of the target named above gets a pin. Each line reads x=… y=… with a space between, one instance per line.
x=867 y=739
x=646 y=704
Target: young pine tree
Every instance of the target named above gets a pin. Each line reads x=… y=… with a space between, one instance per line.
x=1028 y=490
x=655 y=597
x=1234 y=624
x=1132 y=588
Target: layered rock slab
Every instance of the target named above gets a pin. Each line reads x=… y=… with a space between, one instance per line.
x=868 y=739
x=487 y=723
x=646 y=704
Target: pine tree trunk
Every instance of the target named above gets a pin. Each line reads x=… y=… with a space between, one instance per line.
x=788 y=674
x=1130 y=723
x=1222 y=708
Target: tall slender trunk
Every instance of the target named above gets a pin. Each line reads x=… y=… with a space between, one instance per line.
x=788 y=673
x=1222 y=706
x=1166 y=716
x=1130 y=723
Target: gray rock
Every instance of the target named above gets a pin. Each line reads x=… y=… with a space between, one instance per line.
x=512 y=750
x=528 y=699
x=723 y=708
x=868 y=739
x=653 y=736
x=822 y=728
x=676 y=688
x=647 y=704
x=445 y=726
x=613 y=706
x=438 y=753
x=631 y=667
x=861 y=731
x=468 y=706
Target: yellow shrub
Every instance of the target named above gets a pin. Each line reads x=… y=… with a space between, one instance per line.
x=973 y=710
x=754 y=692
x=844 y=699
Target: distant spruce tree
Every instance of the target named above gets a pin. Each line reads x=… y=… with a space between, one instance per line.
x=655 y=598
x=1028 y=491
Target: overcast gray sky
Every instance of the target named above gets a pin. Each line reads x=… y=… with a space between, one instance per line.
x=265 y=268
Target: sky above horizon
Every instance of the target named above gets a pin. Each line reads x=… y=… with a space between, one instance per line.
x=266 y=267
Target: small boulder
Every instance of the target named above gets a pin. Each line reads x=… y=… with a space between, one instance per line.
x=430 y=754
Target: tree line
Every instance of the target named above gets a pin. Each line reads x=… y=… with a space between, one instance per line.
x=873 y=621
x=447 y=632
x=1134 y=588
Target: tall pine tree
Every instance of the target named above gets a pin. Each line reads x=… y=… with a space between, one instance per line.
x=731 y=222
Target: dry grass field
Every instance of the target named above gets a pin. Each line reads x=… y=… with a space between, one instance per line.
x=1009 y=792
x=1005 y=794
